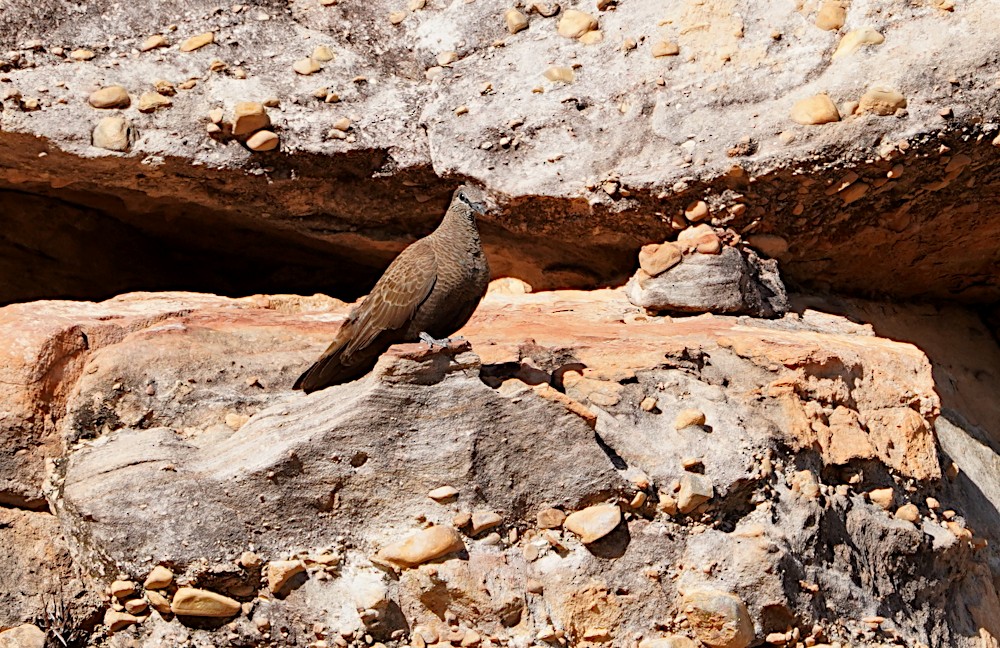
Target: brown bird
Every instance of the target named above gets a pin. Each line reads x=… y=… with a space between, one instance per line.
x=427 y=293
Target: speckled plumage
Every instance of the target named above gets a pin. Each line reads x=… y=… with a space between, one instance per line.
x=432 y=287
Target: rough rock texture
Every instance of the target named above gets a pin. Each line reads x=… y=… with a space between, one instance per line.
x=171 y=437
x=588 y=171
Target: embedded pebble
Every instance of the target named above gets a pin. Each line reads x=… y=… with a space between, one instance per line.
x=110 y=97
x=116 y=621
x=672 y=641
x=280 y=572
x=164 y=87
x=122 y=588
x=151 y=101
x=856 y=39
x=461 y=110
x=881 y=497
x=250 y=560
x=322 y=53
x=770 y=245
x=594 y=522
x=597 y=634
x=648 y=404
x=696 y=211
x=665 y=48
x=136 y=606
x=447 y=58
x=397 y=17
x=516 y=21
x=159 y=577
x=159 y=602
x=832 y=15
x=81 y=55
x=550 y=518
x=248 y=117
x=881 y=101
x=655 y=259
x=423 y=546
x=263 y=140
x=688 y=417
x=719 y=619
x=560 y=73
x=443 y=493
x=190 y=601
x=695 y=490
x=306 y=66
x=153 y=42
x=197 y=42
x=908 y=512
x=574 y=23
x=592 y=37
x=484 y=521
x=343 y=124
x=815 y=110
x=112 y=133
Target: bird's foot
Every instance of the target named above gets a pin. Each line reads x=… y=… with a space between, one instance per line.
x=443 y=342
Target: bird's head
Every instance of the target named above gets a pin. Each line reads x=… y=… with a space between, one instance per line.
x=472 y=198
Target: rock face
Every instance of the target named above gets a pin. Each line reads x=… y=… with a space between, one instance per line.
x=761 y=499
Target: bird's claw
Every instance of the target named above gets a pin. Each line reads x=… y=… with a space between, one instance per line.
x=432 y=342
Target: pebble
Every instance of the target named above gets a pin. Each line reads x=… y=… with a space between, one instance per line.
x=110 y=97
x=770 y=245
x=197 y=42
x=153 y=42
x=534 y=586
x=656 y=259
x=447 y=58
x=26 y=635
x=164 y=87
x=648 y=404
x=594 y=522
x=719 y=619
x=151 y=101
x=516 y=21
x=280 y=572
x=908 y=512
x=187 y=85
x=323 y=53
x=932 y=504
x=881 y=101
x=484 y=521
x=831 y=15
x=248 y=117
x=397 y=17
x=159 y=578
x=189 y=601
x=848 y=108
x=461 y=110
x=695 y=490
x=696 y=211
x=856 y=39
x=116 y=621
x=159 y=602
x=545 y=10
x=136 y=606
x=815 y=110
x=443 y=493
x=122 y=588
x=470 y=639
x=665 y=48
x=668 y=504
x=81 y=55
x=550 y=518
x=597 y=634
x=688 y=417
x=560 y=73
x=343 y=124
x=575 y=24
x=673 y=641
x=592 y=37
x=423 y=546
x=638 y=500
x=306 y=66
x=263 y=140
x=416 y=5
x=881 y=497
x=112 y=133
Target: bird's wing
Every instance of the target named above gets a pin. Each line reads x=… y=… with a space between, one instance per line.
x=395 y=298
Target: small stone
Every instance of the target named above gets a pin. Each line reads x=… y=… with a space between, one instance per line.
x=668 y=504
x=164 y=87
x=110 y=97
x=26 y=635
x=695 y=490
x=29 y=104
x=423 y=546
x=719 y=619
x=594 y=522
x=112 y=133
x=648 y=404
x=343 y=124
x=158 y=601
x=250 y=560
x=249 y=117
x=187 y=85
x=815 y=110
x=881 y=101
x=306 y=66
x=696 y=211
x=933 y=504
x=447 y=58
x=545 y=10
x=550 y=518
x=263 y=140
x=280 y=572
x=881 y=497
x=462 y=520
x=159 y=578
x=81 y=55
x=597 y=634
x=688 y=417
x=908 y=512
x=856 y=39
x=484 y=521
x=197 y=42
x=575 y=24
x=769 y=245
x=831 y=15
x=397 y=17
x=189 y=601
x=151 y=101
x=665 y=48
x=638 y=500
x=516 y=21
x=116 y=621
x=560 y=73
x=333 y=133
x=153 y=42
x=323 y=53
x=672 y=641
x=656 y=259
x=416 y=5
x=592 y=37
x=136 y=606
x=470 y=639
x=443 y=493
x=122 y=588
x=461 y=110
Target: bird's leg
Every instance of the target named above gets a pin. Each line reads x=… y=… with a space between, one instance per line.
x=431 y=342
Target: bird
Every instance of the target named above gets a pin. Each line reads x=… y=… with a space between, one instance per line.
x=426 y=294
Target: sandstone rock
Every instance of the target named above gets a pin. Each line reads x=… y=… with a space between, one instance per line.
x=307 y=66
x=908 y=512
x=550 y=518
x=263 y=140
x=592 y=37
x=484 y=521
x=516 y=21
x=719 y=619
x=189 y=601
x=122 y=588
x=574 y=23
x=281 y=572
x=594 y=522
x=831 y=16
x=656 y=259
x=730 y=282
x=159 y=602
x=117 y=621
x=113 y=134
x=695 y=490
x=136 y=606
x=696 y=211
x=665 y=48
x=881 y=101
x=197 y=42
x=882 y=497
x=151 y=101
x=82 y=55
x=673 y=641
x=560 y=73
x=423 y=546
x=23 y=636
x=770 y=245
x=323 y=54
x=443 y=493
x=110 y=97
x=153 y=42
x=249 y=117
x=688 y=417
x=815 y=110
x=856 y=39
x=396 y=17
